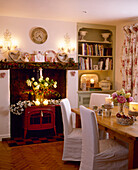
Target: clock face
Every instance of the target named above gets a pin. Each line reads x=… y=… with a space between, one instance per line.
x=39 y=35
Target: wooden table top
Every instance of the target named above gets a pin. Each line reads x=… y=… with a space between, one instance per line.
x=130 y=131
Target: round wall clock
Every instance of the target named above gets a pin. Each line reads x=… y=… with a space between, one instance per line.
x=39 y=35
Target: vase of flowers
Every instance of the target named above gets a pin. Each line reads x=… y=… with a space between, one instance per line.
x=121 y=97
x=42 y=88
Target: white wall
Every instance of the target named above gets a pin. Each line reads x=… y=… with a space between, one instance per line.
x=20 y=28
x=4 y=105
x=72 y=84
x=119 y=44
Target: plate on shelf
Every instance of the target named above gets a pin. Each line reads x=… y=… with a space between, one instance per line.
x=87 y=77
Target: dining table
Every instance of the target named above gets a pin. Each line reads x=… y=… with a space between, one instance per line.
x=125 y=133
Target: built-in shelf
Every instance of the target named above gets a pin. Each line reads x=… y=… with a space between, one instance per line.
x=35 y=65
x=93 y=56
x=98 y=42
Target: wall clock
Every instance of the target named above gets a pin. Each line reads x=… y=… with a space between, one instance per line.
x=38 y=35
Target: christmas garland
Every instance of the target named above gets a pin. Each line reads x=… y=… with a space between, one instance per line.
x=45 y=65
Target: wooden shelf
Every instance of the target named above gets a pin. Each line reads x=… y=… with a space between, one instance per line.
x=93 y=56
x=96 y=91
x=95 y=42
x=36 y=65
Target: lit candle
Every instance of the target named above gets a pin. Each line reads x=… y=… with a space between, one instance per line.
x=41 y=74
x=45 y=102
x=108 y=100
x=37 y=103
x=133 y=106
x=92 y=82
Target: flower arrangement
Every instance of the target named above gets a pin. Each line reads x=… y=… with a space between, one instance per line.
x=121 y=97
x=42 y=88
x=19 y=107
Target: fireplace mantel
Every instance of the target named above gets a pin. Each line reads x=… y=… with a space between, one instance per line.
x=35 y=65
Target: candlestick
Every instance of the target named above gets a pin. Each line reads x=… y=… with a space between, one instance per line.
x=37 y=103
x=45 y=102
x=41 y=74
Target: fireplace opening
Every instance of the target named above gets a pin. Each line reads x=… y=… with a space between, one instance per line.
x=18 y=84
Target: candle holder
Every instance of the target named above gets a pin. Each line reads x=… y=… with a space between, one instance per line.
x=133 y=109
x=91 y=84
x=108 y=107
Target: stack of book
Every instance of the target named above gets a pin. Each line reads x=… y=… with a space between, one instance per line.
x=94 y=50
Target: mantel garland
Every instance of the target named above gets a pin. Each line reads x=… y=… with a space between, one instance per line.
x=44 y=65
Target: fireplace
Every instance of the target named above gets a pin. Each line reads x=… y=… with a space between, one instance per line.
x=18 y=84
x=18 y=79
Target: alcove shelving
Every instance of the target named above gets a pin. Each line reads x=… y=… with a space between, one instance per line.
x=96 y=56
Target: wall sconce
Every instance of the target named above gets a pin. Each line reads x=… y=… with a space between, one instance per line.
x=66 y=46
x=7 y=43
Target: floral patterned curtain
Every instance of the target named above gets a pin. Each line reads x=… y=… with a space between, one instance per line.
x=130 y=60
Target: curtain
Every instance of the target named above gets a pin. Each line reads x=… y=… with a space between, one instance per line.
x=130 y=60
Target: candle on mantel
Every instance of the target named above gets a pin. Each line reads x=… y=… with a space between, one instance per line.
x=37 y=103
x=133 y=106
x=45 y=102
x=91 y=82
x=108 y=100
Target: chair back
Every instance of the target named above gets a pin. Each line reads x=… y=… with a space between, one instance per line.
x=90 y=134
x=97 y=99
x=66 y=116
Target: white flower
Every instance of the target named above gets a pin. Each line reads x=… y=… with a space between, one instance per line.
x=37 y=87
x=33 y=79
x=46 y=84
x=40 y=79
x=35 y=83
x=29 y=83
x=55 y=85
x=18 y=108
x=22 y=109
x=47 y=78
x=29 y=104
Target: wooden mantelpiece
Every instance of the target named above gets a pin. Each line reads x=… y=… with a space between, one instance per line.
x=37 y=65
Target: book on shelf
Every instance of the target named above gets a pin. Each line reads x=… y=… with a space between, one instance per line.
x=109 y=64
x=93 y=49
x=107 y=51
x=86 y=63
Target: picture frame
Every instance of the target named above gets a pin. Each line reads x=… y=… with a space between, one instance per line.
x=95 y=67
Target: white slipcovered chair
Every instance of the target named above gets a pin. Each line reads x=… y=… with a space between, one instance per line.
x=98 y=154
x=97 y=99
x=72 y=136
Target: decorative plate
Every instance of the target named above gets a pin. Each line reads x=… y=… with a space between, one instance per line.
x=62 y=57
x=38 y=35
x=50 y=56
x=15 y=55
x=86 y=77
